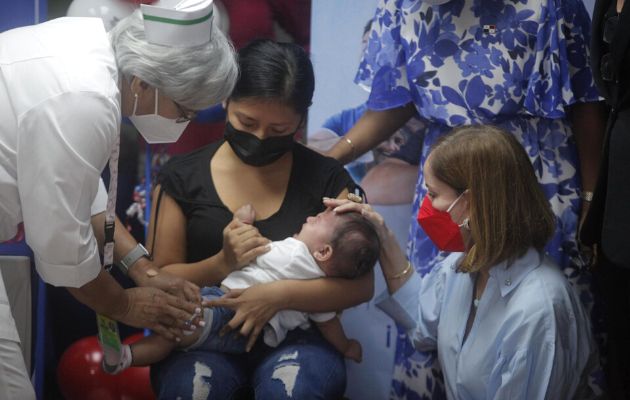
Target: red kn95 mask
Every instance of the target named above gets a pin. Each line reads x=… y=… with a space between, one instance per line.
x=440 y=227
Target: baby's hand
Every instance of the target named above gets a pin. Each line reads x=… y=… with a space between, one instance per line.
x=246 y=214
x=354 y=351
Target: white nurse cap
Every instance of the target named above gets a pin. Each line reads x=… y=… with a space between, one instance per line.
x=178 y=23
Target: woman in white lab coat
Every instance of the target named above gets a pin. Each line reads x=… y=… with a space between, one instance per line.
x=64 y=86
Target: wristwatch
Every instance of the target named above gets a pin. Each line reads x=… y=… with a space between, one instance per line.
x=134 y=255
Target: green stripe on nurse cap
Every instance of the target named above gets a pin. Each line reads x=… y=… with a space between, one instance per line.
x=178 y=23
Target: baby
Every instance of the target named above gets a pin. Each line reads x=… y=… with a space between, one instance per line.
x=328 y=245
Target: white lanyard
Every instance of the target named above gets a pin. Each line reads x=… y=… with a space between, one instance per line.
x=110 y=210
x=108 y=334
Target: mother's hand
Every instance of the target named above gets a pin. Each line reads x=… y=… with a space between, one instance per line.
x=253 y=308
x=242 y=243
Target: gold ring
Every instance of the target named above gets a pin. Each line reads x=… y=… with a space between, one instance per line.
x=355 y=198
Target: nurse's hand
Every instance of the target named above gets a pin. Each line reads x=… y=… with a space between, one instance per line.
x=157 y=310
x=242 y=243
x=253 y=308
x=158 y=278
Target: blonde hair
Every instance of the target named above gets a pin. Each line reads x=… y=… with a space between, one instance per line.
x=509 y=212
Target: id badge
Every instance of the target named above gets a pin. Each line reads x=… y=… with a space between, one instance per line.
x=108 y=334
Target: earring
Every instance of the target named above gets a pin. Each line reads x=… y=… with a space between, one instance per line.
x=466 y=223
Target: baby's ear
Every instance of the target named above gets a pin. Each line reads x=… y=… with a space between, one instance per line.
x=324 y=253
x=246 y=214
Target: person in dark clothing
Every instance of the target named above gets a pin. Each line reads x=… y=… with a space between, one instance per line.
x=607 y=225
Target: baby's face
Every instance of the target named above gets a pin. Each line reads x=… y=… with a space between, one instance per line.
x=317 y=231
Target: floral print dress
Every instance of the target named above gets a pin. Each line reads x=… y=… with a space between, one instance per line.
x=517 y=64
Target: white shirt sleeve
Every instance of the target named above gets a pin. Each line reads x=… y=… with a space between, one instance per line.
x=63 y=145
x=100 y=201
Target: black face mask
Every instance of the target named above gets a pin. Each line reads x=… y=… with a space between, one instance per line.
x=254 y=151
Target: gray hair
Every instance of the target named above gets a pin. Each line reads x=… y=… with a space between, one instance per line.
x=195 y=77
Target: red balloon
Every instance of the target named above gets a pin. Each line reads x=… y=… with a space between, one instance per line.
x=81 y=377
x=133 y=338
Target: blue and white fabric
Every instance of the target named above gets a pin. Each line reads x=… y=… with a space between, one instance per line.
x=515 y=64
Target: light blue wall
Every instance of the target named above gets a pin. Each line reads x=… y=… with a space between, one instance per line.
x=336 y=30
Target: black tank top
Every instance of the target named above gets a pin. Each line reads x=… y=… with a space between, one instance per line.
x=188 y=181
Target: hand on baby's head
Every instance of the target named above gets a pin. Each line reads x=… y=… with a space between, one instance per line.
x=246 y=214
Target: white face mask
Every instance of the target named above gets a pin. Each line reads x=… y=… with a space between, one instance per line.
x=155 y=128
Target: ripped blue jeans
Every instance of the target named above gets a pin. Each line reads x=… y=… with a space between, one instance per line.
x=304 y=366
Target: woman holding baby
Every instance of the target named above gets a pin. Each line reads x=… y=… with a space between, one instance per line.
x=195 y=235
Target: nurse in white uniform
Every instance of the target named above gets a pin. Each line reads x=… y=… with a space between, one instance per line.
x=64 y=86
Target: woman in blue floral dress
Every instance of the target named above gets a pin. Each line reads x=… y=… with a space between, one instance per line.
x=522 y=65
